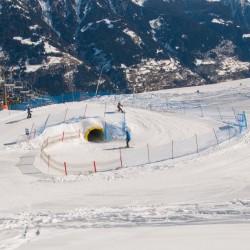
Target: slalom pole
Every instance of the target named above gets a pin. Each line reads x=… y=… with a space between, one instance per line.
x=94 y=166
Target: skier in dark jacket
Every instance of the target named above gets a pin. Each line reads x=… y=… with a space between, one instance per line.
x=119 y=107
x=29 y=112
x=128 y=138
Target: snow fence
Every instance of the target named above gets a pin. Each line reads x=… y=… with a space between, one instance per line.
x=149 y=153
x=133 y=157
x=73 y=167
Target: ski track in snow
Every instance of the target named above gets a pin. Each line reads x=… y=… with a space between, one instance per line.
x=232 y=211
x=26 y=227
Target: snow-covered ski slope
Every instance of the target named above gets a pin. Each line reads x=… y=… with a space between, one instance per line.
x=200 y=201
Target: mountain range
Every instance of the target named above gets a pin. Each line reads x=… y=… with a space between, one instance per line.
x=125 y=45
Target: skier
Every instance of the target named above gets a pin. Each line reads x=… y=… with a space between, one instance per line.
x=128 y=138
x=28 y=112
x=119 y=107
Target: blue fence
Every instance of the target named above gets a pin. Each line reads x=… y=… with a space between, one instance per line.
x=45 y=100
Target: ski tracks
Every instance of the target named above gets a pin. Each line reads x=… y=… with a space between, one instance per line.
x=162 y=214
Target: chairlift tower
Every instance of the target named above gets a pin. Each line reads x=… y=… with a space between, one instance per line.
x=99 y=79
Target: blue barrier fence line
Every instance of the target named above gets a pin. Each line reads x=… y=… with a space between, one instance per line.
x=45 y=100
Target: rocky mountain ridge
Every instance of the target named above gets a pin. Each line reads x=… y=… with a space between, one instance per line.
x=127 y=45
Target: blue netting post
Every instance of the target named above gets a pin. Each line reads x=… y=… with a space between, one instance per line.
x=242 y=121
x=105 y=109
x=85 y=110
x=124 y=123
x=105 y=131
x=245 y=118
x=219 y=113
x=216 y=137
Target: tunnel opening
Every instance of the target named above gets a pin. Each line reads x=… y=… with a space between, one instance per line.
x=95 y=135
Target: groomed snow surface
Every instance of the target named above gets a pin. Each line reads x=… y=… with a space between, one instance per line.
x=200 y=201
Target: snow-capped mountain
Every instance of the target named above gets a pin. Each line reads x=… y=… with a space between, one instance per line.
x=135 y=45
